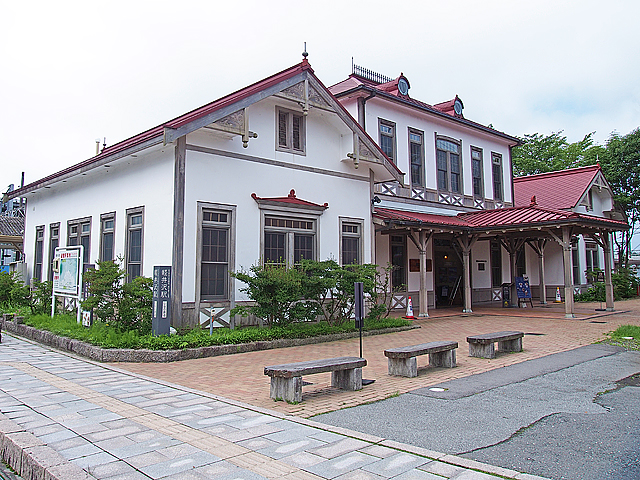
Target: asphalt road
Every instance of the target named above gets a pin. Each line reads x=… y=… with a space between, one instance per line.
x=571 y=415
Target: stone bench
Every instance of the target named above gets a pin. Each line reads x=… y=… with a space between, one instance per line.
x=402 y=361
x=482 y=345
x=286 y=380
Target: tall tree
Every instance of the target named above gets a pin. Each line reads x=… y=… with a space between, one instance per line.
x=620 y=162
x=540 y=154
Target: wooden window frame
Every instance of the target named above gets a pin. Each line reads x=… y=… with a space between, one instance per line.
x=498 y=188
x=421 y=179
x=54 y=236
x=344 y=221
x=38 y=254
x=289 y=148
x=386 y=123
x=449 y=172
x=134 y=212
x=105 y=217
x=78 y=235
x=479 y=194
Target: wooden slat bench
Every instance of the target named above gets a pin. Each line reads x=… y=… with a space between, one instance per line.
x=286 y=380
x=402 y=361
x=482 y=345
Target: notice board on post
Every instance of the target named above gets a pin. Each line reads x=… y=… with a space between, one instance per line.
x=161 y=314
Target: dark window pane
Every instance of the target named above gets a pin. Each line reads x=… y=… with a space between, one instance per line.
x=38 y=264
x=107 y=247
x=274 y=247
x=350 y=250
x=455 y=163
x=303 y=247
x=386 y=144
x=133 y=271
x=497 y=182
x=135 y=246
x=84 y=241
x=282 y=129
x=297 y=122
x=442 y=180
x=214 y=280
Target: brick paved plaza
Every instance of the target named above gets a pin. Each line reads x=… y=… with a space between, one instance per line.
x=241 y=376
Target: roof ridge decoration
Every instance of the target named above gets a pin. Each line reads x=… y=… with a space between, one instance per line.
x=290 y=199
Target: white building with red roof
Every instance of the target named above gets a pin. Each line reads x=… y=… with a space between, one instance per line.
x=287 y=168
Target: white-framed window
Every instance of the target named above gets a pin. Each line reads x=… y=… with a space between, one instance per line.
x=496 y=164
x=416 y=153
x=387 y=131
x=477 y=168
x=216 y=247
x=288 y=239
x=135 y=242
x=79 y=233
x=37 y=258
x=107 y=235
x=290 y=131
x=351 y=231
x=449 y=164
x=54 y=242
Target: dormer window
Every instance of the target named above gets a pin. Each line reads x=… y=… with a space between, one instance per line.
x=290 y=131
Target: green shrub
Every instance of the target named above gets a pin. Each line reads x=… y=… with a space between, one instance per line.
x=13 y=291
x=627 y=331
x=625 y=285
x=127 y=305
x=41 y=297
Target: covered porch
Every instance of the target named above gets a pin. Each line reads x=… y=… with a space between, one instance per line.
x=438 y=237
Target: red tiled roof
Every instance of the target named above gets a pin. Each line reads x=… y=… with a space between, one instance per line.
x=390 y=90
x=557 y=190
x=290 y=199
x=158 y=131
x=431 y=218
x=529 y=216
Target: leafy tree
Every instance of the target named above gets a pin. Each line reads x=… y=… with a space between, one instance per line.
x=541 y=154
x=620 y=162
x=13 y=291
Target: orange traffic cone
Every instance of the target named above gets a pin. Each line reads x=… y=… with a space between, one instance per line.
x=409 y=314
x=558 y=297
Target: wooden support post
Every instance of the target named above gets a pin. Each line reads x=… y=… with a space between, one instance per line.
x=568 y=283
x=538 y=247
x=177 y=259
x=466 y=243
x=421 y=245
x=608 y=285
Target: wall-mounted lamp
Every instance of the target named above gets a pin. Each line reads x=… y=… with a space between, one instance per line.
x=375 y=199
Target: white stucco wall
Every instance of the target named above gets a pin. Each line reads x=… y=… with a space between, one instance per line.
x=146 y=180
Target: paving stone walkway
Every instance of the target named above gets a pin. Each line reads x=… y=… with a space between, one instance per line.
x=81 y=420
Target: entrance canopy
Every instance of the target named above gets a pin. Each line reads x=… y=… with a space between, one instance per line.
x=514 y=227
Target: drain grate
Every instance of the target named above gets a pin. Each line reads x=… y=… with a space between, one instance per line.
x=597 y=321
x=535 y=334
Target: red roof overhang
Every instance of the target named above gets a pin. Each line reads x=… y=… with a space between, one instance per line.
x=498 y=220
x=290 y=199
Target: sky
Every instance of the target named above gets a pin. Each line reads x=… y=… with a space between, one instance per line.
x=75 y=71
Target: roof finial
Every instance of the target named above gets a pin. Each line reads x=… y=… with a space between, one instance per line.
x=533 y=201
x=305 y=54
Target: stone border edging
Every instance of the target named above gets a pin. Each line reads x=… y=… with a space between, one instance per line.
x=31 y=458
x=130 y=355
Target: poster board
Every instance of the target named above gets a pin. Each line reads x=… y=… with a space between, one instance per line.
x=67 y=275
x=523 y=290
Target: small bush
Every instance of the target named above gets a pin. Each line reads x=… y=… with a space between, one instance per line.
x=127 y=305
x=627 y=331
x=625 y=285
x=13 y=291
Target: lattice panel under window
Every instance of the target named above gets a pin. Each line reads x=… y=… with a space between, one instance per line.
x=498 y=205
x=418 y=193
x=389 y=189
x=478 y=203
x=450 y=199
x=496 y=294
x=399 y=301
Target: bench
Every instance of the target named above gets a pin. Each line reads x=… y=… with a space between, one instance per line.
x=402 y=361
x=286 y=380
x=482 y=345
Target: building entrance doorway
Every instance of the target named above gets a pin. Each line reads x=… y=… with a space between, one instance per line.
x=448 y=278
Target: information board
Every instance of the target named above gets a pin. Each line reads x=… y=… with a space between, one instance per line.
x=523 y=290
x=66 y=271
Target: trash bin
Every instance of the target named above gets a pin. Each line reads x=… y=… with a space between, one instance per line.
x=506 y=295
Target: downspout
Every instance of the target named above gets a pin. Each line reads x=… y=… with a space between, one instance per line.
x=361 y=110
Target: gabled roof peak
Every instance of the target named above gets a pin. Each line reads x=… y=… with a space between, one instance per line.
x=559 y=173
